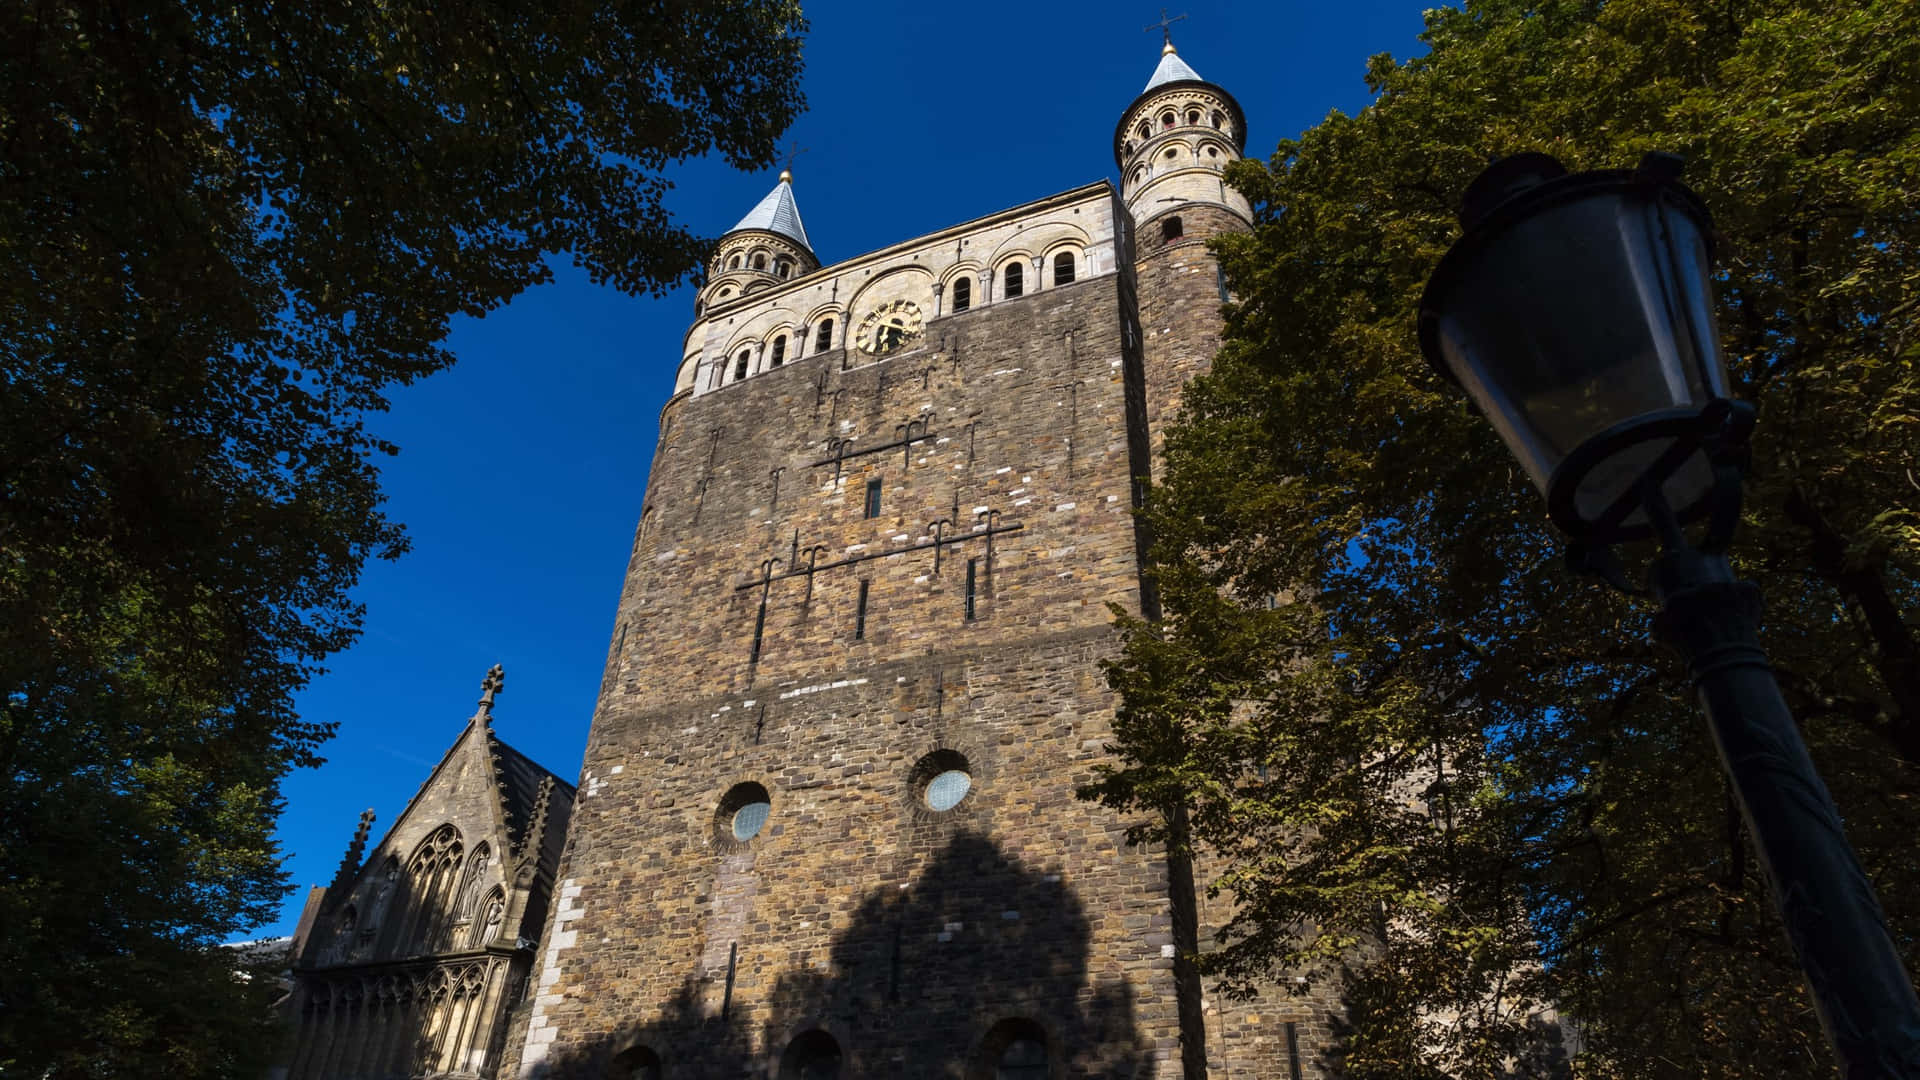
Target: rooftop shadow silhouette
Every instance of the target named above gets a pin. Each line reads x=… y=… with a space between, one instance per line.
x=936 y=980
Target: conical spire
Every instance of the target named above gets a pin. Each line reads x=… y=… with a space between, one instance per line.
x=1171 y=69
x=777 y=213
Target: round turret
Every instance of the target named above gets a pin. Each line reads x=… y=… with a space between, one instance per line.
x=1173 y=145
x=767 y=247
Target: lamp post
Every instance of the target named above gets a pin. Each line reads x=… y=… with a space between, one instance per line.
x=1577 y=313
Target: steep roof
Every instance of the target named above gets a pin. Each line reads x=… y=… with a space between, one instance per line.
x=1172 y=69
x=777 y=213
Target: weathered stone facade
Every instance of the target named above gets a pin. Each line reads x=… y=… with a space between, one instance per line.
x=879 y=541
x=411 y=961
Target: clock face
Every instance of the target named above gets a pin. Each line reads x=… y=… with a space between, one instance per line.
x=889 y=328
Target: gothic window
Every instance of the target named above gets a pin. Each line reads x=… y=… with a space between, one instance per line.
x=873 y=498
x=740 y=364
x=815 y=1055
x=779 y=351
x=1171 y=229
x=759 y=260
x=468 y=899
x=962 y=294
x=430 y=882
x=823 y=340
x=1011 y=281
x=638 y=1063
x=1063 y=268
x=340 y=944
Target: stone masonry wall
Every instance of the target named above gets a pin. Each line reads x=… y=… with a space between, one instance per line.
x=921 y=942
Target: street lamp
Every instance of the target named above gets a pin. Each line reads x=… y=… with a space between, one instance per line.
x=1577 y=313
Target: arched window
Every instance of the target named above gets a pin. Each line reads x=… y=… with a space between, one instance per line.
x=430 y=883
x=823 y=340
x=1146 y=131
x=340 y=945
x=782 y=267
x=815 y=1055
x=468 y=899
x=733 y=263
x=1219 y=121
x=1013 y=1049
x=1167 y=119
x=1011 y=281
x=638 y=1063
x=1171 y=229
x=759 y=260
x=779 y=351
x=1063 y=268
x=1193 y=116
x=1023 y=1059
x=740 y=363
x=962 y=294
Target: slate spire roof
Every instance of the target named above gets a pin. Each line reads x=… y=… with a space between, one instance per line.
x=777 y=213
x=1171 y=69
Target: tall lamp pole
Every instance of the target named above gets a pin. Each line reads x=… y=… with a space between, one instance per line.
x=1577 y=314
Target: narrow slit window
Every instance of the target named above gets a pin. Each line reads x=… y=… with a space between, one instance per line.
x=873 y=498
x=860 y=613
x=1013 y=281
x=962 y=294
x=779 y=351
x=973 y=578
x=759 y=633
x=824 y=339
x=1063 y=268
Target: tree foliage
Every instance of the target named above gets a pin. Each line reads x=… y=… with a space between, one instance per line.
x=1433 y=763
x=226 y=230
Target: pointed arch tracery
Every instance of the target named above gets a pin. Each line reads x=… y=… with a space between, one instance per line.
x=431 y=873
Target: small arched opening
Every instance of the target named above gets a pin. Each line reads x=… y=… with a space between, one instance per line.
x=1063 y=268
x=962 y=294
x=813 y=1055
x=1012 y=281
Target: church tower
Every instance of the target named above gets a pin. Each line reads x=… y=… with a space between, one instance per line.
x=826 y=823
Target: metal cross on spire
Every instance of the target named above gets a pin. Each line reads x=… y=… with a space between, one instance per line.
x=794 y=150
x=1165 y=26
x=495 y=682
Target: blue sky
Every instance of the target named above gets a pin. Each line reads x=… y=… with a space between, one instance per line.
x=521 y=470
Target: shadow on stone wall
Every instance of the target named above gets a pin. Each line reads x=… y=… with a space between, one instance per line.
x=934 y=980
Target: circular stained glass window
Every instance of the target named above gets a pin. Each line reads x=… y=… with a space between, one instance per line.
x=945 y=791
x=750 y=819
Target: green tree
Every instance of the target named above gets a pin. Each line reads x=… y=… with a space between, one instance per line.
x=1436 y=765
x=226 y=230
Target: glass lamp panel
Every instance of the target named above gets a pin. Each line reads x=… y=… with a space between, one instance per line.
x=1581 y=317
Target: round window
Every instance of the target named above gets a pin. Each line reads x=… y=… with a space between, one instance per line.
x=945 y=791
x=741 y=815
x=750 y=819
